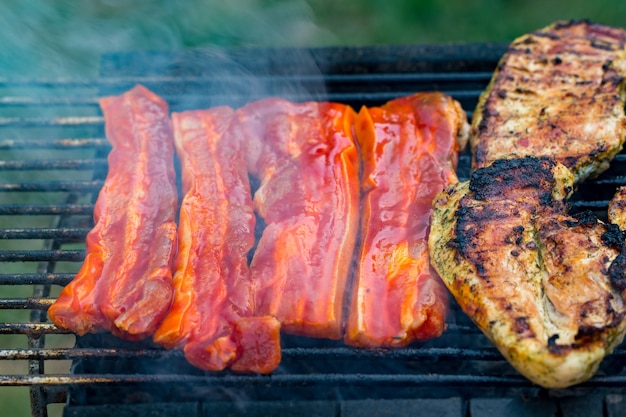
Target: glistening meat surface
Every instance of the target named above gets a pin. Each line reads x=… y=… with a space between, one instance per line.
x=546 y=287
x=211 y=317
x=306 y=160
x=409 y=150
x=557 y=92
x=125 y=283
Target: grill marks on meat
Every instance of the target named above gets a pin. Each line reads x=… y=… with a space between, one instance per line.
x=125 y=283
x=211 y=317
x=409 y=148
x=546 y=287
x=538 y=282
x=307 y=162
x=558 y=92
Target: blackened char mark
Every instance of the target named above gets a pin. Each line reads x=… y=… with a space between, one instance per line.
x=613 y=237
x=588 y=334
x=617 y=274
x=522 y=328
x=489 y=114
x=480 y=154
x=545 y=34
x=569 y=23
x=504 y=175
x=516 y=236
x=585 y=218
x=603 y=45
x=555 y=348
x=470 y=221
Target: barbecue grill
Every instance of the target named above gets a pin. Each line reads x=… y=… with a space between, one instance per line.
x=53 y=162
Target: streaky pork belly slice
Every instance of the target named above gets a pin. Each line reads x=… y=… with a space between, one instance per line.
x=409 y=150
x=125 y=283
x=212 y=316
x=306 y=160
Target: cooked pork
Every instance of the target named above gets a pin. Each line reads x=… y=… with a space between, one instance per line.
x=409 y=151
x=211 y=317
x=306 y=160
x=546 y=287
x=125 y=283
x=557 y=92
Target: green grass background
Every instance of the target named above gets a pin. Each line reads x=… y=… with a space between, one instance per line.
x=62 y=38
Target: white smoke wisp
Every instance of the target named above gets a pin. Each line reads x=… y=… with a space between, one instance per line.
x=67 y=38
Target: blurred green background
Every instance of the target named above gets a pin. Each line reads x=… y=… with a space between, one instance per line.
x=63 y=38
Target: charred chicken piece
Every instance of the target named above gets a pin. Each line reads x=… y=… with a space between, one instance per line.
x=125 y=283
x=305 y=158
x=557 y=92
x=617 y=208
x=409 y=150
x=546 y=287
x=211 y=317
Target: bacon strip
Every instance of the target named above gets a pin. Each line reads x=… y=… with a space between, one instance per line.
x=211 y=316
x=125 y=283
x=307 y=162
x=409 y=151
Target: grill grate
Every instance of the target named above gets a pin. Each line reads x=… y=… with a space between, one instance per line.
x=52 y=165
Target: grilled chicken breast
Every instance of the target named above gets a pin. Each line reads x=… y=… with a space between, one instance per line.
x=544 y=286
x=557 y=92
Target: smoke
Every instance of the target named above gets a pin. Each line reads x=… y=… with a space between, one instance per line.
x=67 y=38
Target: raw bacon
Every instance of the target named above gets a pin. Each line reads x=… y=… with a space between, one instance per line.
x=409 y=150
x=211 y=318
x=306 y=160
x=125 y=283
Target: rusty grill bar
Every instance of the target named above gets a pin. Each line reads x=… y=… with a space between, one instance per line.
x=52 y=165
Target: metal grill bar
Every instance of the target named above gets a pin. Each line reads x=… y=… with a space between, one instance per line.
x=55 y=122
x=284 y=380
x=36 y=279
x=489 y=354
x=126 y=82
x=31 y=329
x=31 y=102
x=79 y=186
x=64 y=164
x=368 y=98
x=49 y=328
x=618 y=180
x=62 y=234
x=68 y=143
x=30 y=303
x=52 y=255
x=53 y=209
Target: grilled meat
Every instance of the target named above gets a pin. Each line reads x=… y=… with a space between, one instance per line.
x=409 y=150
x=211 y=317
x=306 y=160
x=617 y=208
x=546 y=287
x=557 y=92
x=125 y=283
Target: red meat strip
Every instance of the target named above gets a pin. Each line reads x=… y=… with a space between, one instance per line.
x=211 y=318
x=125 y=283
x=409 y=150
x=306 y=160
